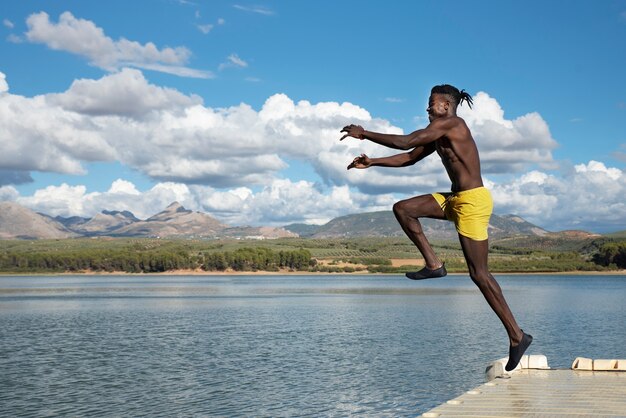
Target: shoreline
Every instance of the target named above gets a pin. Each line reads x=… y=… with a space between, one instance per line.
x=304 y=273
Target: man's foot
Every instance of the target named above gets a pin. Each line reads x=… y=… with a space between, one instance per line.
x=516 y=353
x=427 y=273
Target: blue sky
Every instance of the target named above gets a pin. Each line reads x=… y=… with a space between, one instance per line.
x=234 y=108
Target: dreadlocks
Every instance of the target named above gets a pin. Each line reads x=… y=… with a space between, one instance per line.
x=457 y=96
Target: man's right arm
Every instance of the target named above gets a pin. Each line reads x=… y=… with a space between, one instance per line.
x=399 y=160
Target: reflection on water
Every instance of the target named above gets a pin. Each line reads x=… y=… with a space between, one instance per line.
x=279 y=345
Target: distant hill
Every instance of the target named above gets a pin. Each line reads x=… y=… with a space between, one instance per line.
x=103 y=223
x=302 y=230
x=19 y=222
x=384 y=224
x=174 y=221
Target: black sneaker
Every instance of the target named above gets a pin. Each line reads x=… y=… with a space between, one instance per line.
x=516 y=353
x=427 y=273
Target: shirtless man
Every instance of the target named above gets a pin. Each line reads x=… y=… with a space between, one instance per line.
x=469 y=205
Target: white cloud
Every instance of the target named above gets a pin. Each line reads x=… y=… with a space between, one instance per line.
x=255 y=9
x=8 y=193
x=37 y=136
x=82 y=37
x=4 y=86
x=508 y=145
x=8 y=24
x=208 y=27
x=590 y=196
x=284 y=201
x=123 y=187
x=205 y=28
x=279 y=203
x=598 y=170
x=65 y=200
x=233 y=60
x=126 y=93
x=170 y=136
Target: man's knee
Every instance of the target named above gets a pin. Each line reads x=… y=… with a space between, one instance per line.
x=481 y=278
x=400 y=208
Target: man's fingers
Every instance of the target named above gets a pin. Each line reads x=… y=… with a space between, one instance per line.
x=344 y=137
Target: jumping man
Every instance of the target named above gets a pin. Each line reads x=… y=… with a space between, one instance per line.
x=469 y=204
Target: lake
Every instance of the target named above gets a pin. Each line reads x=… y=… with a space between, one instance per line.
x=364 y=345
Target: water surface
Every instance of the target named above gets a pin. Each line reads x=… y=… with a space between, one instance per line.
x=280 y=345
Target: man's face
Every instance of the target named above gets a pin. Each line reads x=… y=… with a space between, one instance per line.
x=437 y=106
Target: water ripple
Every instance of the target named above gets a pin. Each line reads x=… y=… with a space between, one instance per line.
x=278 y=346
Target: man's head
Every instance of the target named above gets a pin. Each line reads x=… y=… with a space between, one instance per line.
x=444 y=100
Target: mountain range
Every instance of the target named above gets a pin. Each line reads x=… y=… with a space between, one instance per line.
x=384 y=224
x=18 y=222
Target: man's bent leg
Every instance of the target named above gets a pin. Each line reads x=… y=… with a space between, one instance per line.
x=407 y=213
x=476 y=255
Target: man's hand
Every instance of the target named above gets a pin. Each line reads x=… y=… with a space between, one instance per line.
x=362 y=161
x=355 y=131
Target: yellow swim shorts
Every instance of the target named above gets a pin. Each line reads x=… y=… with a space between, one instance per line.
x=470 y=211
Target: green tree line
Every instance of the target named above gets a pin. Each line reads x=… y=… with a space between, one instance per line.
x=154 y=261
x=611 y=254
x=252 y=259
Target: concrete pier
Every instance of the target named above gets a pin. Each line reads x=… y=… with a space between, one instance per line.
x=543 y=392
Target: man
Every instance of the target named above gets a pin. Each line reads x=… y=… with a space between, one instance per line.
x=469 y=205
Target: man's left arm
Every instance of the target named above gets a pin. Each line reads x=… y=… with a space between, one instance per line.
x=435 y=130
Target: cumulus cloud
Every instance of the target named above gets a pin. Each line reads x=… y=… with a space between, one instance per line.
x=66 y=200
x=8 y=24
x=508 y=145
x=8 y=193
x=173 y=137
x=82 y=37
x=589 y=196
x=126 y=93
x=543 y=198
x=279 y=203
x=283 y=201
x=36 y=135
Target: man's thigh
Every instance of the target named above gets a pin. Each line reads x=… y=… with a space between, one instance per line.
x=424 y=206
